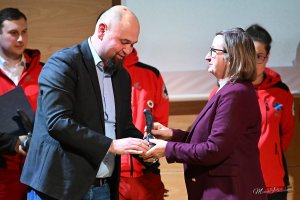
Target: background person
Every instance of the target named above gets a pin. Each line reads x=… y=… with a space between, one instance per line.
x=18 y=67
x=83 y=111
x=278 y=120
x=220 y=153
x=148 y=92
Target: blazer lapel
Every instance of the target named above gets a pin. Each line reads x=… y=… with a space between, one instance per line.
x=199 y=117
x=91 y=68
x=206 y=109
x=117 y=96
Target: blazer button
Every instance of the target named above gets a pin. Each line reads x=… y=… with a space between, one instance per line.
x=193 y=179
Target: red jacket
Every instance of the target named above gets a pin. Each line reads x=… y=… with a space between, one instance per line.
x=278 y=122
x=29 y=83
x=148 y=91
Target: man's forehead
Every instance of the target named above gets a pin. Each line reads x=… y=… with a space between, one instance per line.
x=127 y=34
x=14 y=24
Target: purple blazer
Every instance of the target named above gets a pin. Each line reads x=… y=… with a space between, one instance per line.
x=220 y=153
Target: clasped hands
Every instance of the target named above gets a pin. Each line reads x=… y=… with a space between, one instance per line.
x=18 y=147
x=142 y=147
x=162 y=135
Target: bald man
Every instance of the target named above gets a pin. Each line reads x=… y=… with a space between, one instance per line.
x=83 y=120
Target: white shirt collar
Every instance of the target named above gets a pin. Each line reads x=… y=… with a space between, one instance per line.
x=13 y=72
x=222 y=82
x=22 y=63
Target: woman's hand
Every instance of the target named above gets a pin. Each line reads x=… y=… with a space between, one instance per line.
x=161 y=132
x=157 y=151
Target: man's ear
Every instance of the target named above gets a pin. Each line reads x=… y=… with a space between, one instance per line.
x=101 y=30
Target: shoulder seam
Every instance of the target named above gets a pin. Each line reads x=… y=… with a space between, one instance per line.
x=281 y=85
x=149 y=67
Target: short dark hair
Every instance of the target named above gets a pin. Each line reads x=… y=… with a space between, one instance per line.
x=260 y=34
x=10 y=14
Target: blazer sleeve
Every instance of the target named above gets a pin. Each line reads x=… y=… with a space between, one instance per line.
x=179 y=135
x=226 y=128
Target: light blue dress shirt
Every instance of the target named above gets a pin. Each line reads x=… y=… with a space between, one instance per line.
x=108 y=163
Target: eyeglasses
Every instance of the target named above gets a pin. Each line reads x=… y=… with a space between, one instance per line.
x=213 y=52
x=260 y=58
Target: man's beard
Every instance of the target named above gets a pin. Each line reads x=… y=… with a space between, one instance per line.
x=113 y=64
x=115 y=60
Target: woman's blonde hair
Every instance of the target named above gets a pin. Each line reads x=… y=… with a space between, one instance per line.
x=240 y=54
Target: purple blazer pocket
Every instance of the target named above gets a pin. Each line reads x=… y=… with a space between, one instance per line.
x=224 y=170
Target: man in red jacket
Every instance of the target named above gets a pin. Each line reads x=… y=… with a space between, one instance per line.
x=278 y=120
x=18 y=67
x=148 y=92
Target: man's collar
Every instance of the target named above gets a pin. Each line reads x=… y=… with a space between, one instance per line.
x=96 y=57
x=21 y=63
x=109 y=69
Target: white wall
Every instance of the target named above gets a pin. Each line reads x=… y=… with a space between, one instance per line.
x=176 y=34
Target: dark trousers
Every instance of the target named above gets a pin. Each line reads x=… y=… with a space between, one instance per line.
x=278 y=196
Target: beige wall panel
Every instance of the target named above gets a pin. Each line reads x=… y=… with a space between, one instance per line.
x=293 y=156
x=55 y=24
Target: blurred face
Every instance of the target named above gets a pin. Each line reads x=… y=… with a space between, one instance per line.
x=261 y=59
x=13 y=39
x=215 y=57
x=119 y=39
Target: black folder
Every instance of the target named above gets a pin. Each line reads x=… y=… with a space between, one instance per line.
x=10 y=102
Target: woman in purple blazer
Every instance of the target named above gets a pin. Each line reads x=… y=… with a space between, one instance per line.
x=220 y=153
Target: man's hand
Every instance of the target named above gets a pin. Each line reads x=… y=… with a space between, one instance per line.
x=128 y=146
x=18 y=147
